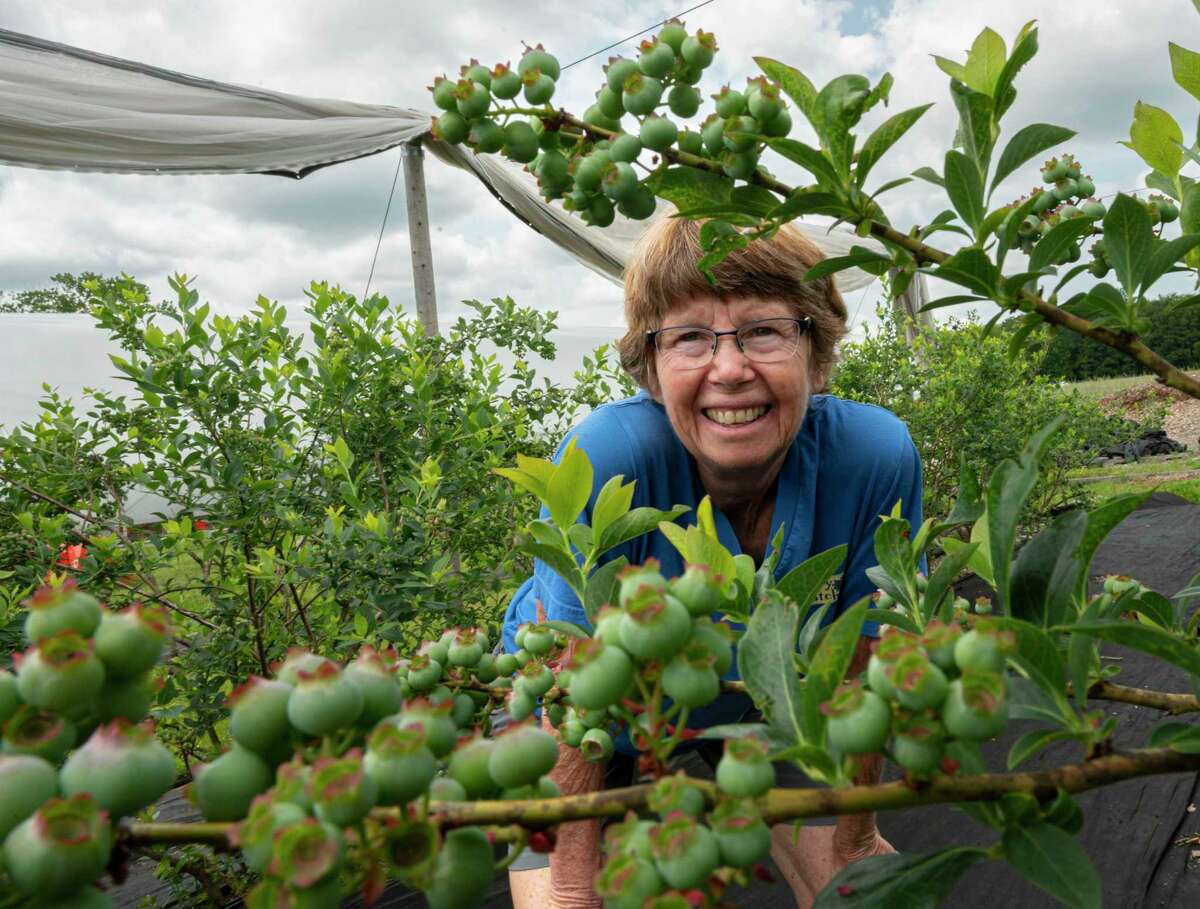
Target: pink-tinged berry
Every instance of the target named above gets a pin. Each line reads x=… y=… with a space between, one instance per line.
x=66 y=608
x=917 y=742
x=939 y=640
x=60 y=849
x=434 y=719
x=224 y=789
x=377 y=682
x=291 y=783
x=858 y=719
x=744 y=770
x=123 y=766
x=919 y=683
x=675 y=793
x=307 y=854
x=258 y=714
x=893 y=645
x=975 y=706
x=626 y=881
x=984 y=647
x=341 y=792
x=399 y=763
x=131 y=641
x=685 y=853
x=324 y=701
x=296 y=661
x=655 y=625
x=61 y=674
x=742 y=836
x=41 y=733
x=255 y=835
x=26 y=782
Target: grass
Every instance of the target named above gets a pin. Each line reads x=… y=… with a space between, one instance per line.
x=1188 y=489
x=1098 y=388
x=1137 y=468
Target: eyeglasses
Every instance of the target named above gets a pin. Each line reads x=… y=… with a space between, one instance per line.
x=762 y=341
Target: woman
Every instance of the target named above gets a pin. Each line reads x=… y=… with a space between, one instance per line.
x=727 y=409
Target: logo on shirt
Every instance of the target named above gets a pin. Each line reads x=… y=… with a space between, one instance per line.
x=830 y=592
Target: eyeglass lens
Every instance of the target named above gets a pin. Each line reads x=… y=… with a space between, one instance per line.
x=764 y=341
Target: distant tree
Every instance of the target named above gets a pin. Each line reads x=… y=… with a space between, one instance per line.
x=1174 y=334
x=67 y=293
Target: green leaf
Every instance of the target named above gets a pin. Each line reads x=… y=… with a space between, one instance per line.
x=887 y=617
x=968 y=501
x=951 y=68
x=902 y=880
x=1165 y=256
x=561 y=563
x=1051 y=246
x=929 y=175
x=568 y=628
x=965 y=188
x=1039 y=656
x=884 y=137
x=612 y=501
x=1154 y=641
x=954 y=300
x=828 y=667
x=811 y=159
x=755 y=200
x=859 y=257
x=633 y=524
x=1185 y=67
x=985 y=61
x=570 y=487
x=601 y=589
x=1157 y=138
x=1032 y=742
x=972 y=268
x=1009 y=487
x=975 y=124
x=895 y=556
x=1054 y=861
x=1181 y=737
x=1127 y=240
x=1024 y=49
x=943 y=577
x=811 y=202
x=688 y=187
x=807 y=579
x=766 y=662
x=1027 y=142
x=1047 y=570
x=797 y=87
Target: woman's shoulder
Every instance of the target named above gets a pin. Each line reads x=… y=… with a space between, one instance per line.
x=853 y=432
x=634 y=420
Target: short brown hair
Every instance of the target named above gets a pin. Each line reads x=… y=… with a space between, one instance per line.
x=662 y=271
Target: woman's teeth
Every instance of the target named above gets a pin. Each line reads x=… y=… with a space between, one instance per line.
x=735 y=417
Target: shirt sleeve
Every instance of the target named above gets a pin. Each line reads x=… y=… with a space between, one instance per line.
x=897 y=478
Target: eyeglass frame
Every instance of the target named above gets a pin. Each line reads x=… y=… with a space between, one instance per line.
x=803 y=324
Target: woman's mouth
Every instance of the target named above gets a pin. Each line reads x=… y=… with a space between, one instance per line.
x=735 y=416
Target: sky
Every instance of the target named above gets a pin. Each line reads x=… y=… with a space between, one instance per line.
x=248 y=235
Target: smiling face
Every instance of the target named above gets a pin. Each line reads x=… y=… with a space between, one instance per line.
x=737 y=418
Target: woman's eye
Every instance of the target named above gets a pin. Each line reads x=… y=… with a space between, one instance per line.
x=763 y=331
x=690 y=337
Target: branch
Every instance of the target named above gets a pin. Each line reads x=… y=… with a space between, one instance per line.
x=1173 y=704
x=1126 y=343
x=778 y=804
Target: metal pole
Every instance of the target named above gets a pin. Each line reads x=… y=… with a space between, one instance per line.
x=418 y=236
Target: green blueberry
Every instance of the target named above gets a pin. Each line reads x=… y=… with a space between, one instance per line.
x=712 y=131
x=982 y=648
x=469 y=766
x=443 y=94
x=26 y=782
x=538 y=58
x=683 y=100
x=444 y=789
x=685 y=853
x=744 y=770
x=522 y=755
x=655 y=626
x=124 y=767
x=539 y=87
x=698 y=49
x=859 y=720
x=60 y=849
x=596 y=746
x=639 y=205
x=61 y=674
x=472 y=99
x=505 y=83
x=739 y=165
x=676 y=793
x=975 y=707
x=690 y=143
x=658 y=133
x=617 y=71
x=224 y=789
x=627 y=881
x=131 y=642
x=477 y=72
x=742 y=836
x=520 y=145
x=10 y=698
x=258 y=714
x=918 y=681
x=324 y=701
x=341 y=789
x=595 y=116
x=656 y=59
x=619 y=181
x=486 y=136
x=294 y=663
x=506 y=664
x=40 y=733
x=640 y=94
x=601 y=674
x=779 y=125
x=424 y=672
x=54 y=610
x=609 y=103
x=689 y=678
x=462 y=872
x=435 y=720
x=399 y=762
x=716 y=637
x=625 y=148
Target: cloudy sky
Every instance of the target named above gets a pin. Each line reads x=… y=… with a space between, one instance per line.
x=246 y=235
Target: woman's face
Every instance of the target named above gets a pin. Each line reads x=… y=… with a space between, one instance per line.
x=702 y=404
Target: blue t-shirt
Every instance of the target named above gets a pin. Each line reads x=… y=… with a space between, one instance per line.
x=848 y=465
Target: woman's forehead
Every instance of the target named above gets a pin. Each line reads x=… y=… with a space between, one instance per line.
x=707 y=308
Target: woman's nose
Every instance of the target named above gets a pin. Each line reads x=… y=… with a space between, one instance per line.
x=729 y=363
